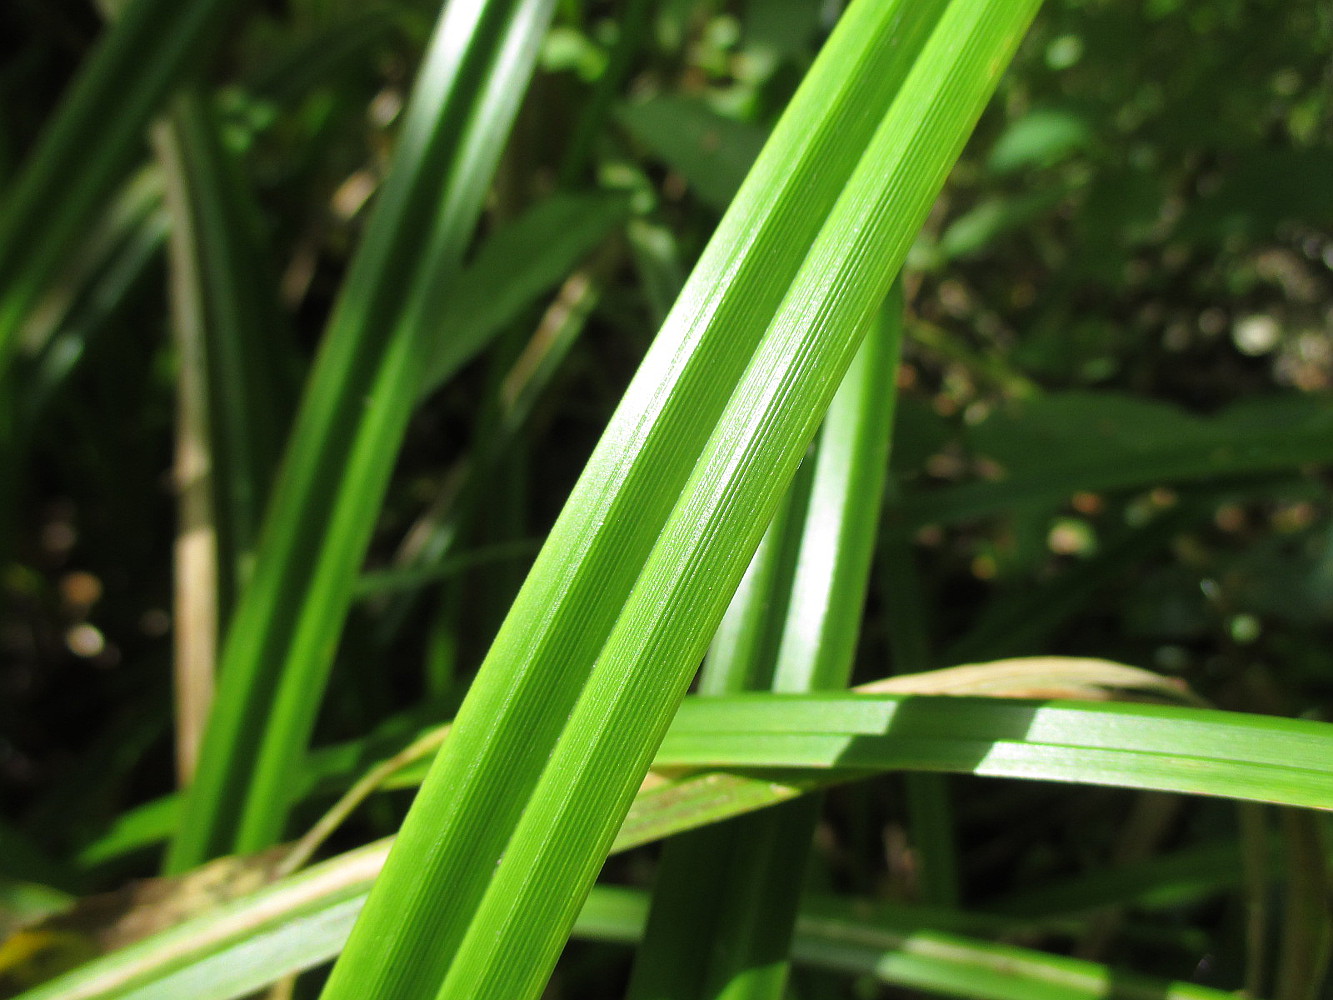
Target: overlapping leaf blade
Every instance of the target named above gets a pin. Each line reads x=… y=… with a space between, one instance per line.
x=515 y=821
x=1202 y=751
x=355 y=410
x=726 y=897
x=304 y=920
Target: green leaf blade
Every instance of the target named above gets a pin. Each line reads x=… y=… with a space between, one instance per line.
x=1258 y=758
x=569 y=603
x=150 y=48
x=664 y=627
x=354 y=412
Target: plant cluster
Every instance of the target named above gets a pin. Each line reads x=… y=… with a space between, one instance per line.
x=684 y=499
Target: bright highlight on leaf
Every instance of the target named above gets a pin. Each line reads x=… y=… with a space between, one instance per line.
x=562 y=720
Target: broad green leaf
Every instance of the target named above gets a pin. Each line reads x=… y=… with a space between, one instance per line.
x=515 y=266
x=1258 y=191
x=515 y=817
x=1053 y=446
x=711 y=152
x=819 y=637
x=1066 y=678
x=1040 y=138
x=982 y=225
x=740 y=655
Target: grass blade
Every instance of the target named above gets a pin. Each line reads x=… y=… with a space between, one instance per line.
x=231 y=402
x=726 y=897
x=951 y=965
x=820 y=636
x=514 y=267
x=628 y=489
x=1057 y=445
x=510 y=899
x=304 y=920
x=426 y=548
x=279 y=647
x=1159 y=747
x=1307 y=939
x=141 y=57
x=712 y=152
x=112 y=260
x=929 y=806
x=233 y=311
x=657 y=810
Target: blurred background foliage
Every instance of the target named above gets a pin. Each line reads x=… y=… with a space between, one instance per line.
x=1113 y=433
